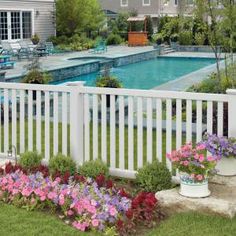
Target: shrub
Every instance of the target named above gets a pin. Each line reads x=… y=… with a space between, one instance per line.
x=35 y=39
x=158 y=38
x=30 y=159
x=37 y=77
x=199 y=39
x=185 y=38
x=61 y=163
x=174 y=38
x=153 y=177
x=93 y=169
x=114 y=39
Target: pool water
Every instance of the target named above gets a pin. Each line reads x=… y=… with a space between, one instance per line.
x=151 y=73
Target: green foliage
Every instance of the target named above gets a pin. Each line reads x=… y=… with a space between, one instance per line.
x=37 y=77
x=199 y=38
x=153 y=177
x=185 y=38
x=30 y=159
x=35 y=39
x=174 y=38
x=108 y=81
x=62 y=164
x=213 y=85
x=114 y=39
x=149 y=27
x=74 y=16
x=158 y=38
x=93 y=168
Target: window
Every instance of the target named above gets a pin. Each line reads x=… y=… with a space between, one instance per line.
x=124 y=3
x=176 y=2
x=3 y=26
x=15 y=25
x=146 y=2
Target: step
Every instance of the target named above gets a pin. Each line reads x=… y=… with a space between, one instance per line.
x=222 y=201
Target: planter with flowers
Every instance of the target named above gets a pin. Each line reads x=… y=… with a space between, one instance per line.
x=225 y=149
x=195 y=168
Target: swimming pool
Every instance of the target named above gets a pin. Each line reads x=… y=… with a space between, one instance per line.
x=151 y=73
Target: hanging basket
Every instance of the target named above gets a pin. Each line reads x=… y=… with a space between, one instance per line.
x=193 y=189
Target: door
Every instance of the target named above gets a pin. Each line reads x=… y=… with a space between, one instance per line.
x=15 y=25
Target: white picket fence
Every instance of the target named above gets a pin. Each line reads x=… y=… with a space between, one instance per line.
x=137 y=126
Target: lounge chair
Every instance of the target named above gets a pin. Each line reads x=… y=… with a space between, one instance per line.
x=7 y=49
x=51 y=49
x=26 y=50
x=100 y=47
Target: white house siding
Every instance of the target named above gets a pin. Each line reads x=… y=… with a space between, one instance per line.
x=43 y=10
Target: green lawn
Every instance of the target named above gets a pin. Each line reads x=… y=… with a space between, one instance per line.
x=17 y=222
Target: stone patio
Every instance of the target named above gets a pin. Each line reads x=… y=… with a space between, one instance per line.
x=222 y=200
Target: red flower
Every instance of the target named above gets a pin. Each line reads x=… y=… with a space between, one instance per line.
x=79 y=178
x=65 y=177
x=100 y=179
x=1 y=171
x=123 y=193
x=119 y=224
x=9 y=168
x=109 y=184
x=129 y=214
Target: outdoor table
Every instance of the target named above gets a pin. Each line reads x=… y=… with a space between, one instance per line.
x=5 y=61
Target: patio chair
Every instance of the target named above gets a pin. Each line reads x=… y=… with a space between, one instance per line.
x=7 y=49
x=100 y=47
x=25 y=51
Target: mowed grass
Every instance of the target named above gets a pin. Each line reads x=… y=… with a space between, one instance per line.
x=195 y=224
x=99 y=138
x=19 y=222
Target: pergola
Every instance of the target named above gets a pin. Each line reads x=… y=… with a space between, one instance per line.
x=137 y=38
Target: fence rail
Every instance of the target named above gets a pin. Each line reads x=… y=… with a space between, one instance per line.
x=125 y=128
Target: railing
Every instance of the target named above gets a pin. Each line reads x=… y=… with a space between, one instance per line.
x=125 y=128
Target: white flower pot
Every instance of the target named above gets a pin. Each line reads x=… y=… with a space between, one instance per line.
x=194 y=190
x=226 y=166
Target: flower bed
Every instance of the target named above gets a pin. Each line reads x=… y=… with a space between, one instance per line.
x=85 y=203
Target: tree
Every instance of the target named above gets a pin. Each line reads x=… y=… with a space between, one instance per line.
x=75 y=16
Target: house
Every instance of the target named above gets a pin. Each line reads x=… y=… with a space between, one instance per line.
x=153 y=8
x=20 y=19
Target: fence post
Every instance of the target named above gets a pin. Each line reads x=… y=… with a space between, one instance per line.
x=232 y=112
x=76 y=122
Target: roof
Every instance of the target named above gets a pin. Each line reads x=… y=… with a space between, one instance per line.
x=137 y=18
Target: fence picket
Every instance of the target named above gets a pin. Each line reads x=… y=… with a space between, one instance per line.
x=95 y=127
x=159 y=129
x=189 y=121
x=64 y=123
x=104 y=128
x=38 y=122
x=149 y=130
x=199 y=121
x=30 y=120
x=131 y=133
x=86 y=128
x=220 y=114
x=112 y=131
x=55 y=123
x=209 y=116
x=6 y=120
x=22 y=121
x=121 y=133
x=14 y=119
x=178 y=123
x=47 y=126
x=140 y=132
x=168 y=130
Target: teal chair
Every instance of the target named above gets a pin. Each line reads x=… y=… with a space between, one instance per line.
x=100 y=47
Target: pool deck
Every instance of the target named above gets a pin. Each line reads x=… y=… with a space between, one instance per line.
x=59 y=61
x=54 y=62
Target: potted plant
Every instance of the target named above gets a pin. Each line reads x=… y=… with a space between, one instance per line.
x=195 y=167
x=35 y=39
x=106 y=80
x=225 y=149
x=35 y=75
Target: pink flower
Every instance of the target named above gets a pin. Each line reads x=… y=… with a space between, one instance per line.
x=210 y=158
x=199 y=177
x=95 y=222
x=61 y=200
x=201 y=157
x=201 y=146
x=70 y=213
x=43 y=198
x=186 y=163
x=112 y=211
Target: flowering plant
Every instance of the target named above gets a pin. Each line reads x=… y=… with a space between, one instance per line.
x=220 y=146
x=193 y=161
